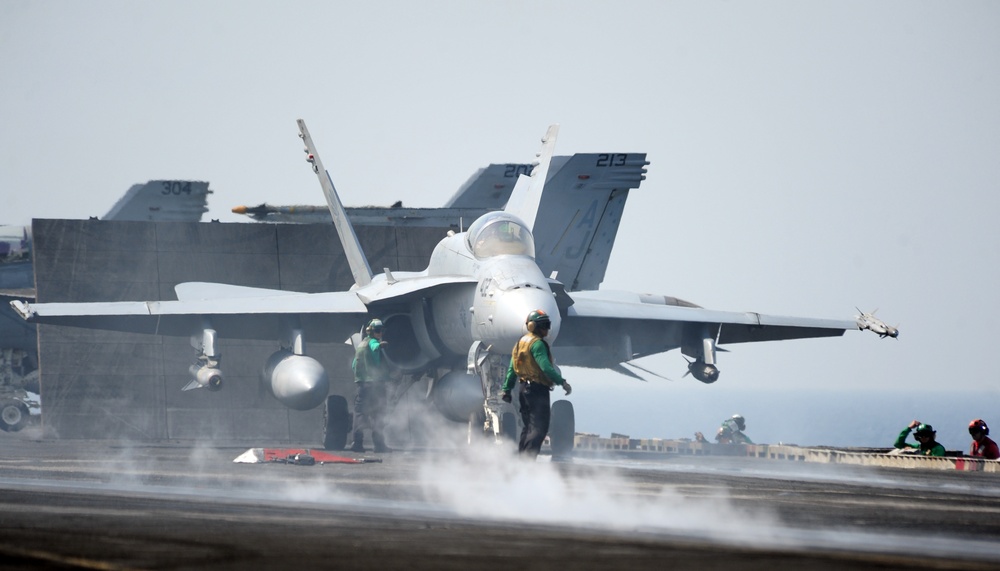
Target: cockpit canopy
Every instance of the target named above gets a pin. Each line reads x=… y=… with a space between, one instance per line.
x=499 y=234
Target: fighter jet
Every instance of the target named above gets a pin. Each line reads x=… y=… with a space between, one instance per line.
x=487 y=189
x=867 y=320
x=454 y=322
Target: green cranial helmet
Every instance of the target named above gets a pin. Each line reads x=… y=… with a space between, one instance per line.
x=540 y=319
x=924 y=430
x=374 y=326
x=740 y=421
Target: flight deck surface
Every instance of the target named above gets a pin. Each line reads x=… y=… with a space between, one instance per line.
x=108 y=505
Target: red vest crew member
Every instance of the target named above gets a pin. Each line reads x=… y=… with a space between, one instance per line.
x=982 y=445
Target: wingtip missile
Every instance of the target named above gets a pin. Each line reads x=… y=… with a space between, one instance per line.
x=867 y=320
x=23 y=309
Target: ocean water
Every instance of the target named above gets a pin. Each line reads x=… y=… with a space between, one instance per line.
x=803 y=416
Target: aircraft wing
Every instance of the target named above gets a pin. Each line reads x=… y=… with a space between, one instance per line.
x=237 y=312
x=602 y=328
x=328 y=316
x=190 y=291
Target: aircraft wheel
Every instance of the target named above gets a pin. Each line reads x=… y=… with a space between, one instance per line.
x=13 y=415
x=477 y=421
x=336 y=423
x=509 y=424
x=562 y=428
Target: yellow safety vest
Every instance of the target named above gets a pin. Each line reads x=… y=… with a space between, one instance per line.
x=524 y=362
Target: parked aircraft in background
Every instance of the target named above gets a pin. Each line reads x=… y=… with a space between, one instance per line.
x=158 y=200
x=577 y=195
x=487 y=189
x=454 y=323
x=162 y=201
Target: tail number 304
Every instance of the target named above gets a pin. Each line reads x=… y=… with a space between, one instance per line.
x=176 y=187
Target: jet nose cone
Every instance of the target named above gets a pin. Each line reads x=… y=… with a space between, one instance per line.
x=513 y=308
x=300 y=382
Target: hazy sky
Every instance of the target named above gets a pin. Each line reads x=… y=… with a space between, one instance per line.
x=806 y=157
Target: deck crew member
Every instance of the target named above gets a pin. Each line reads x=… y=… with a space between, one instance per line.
x=371 y=374
x=924 y=434
x=731 y=431
x=982 y=445
x=531 y=365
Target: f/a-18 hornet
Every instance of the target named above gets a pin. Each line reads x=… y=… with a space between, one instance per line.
x=455 y=323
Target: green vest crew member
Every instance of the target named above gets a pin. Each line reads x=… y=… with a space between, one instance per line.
x=924 y=434
x=531 y=364
x=731 y=431
x=371 y=371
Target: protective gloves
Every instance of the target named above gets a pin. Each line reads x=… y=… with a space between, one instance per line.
x=505 y=396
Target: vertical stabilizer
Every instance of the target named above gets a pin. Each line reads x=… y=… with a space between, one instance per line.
x=360 y=269
x=489 y=187
x=162 y=200
x=527 y=193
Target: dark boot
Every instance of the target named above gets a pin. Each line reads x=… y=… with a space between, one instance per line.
x=359 y=441
x=379 y=441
